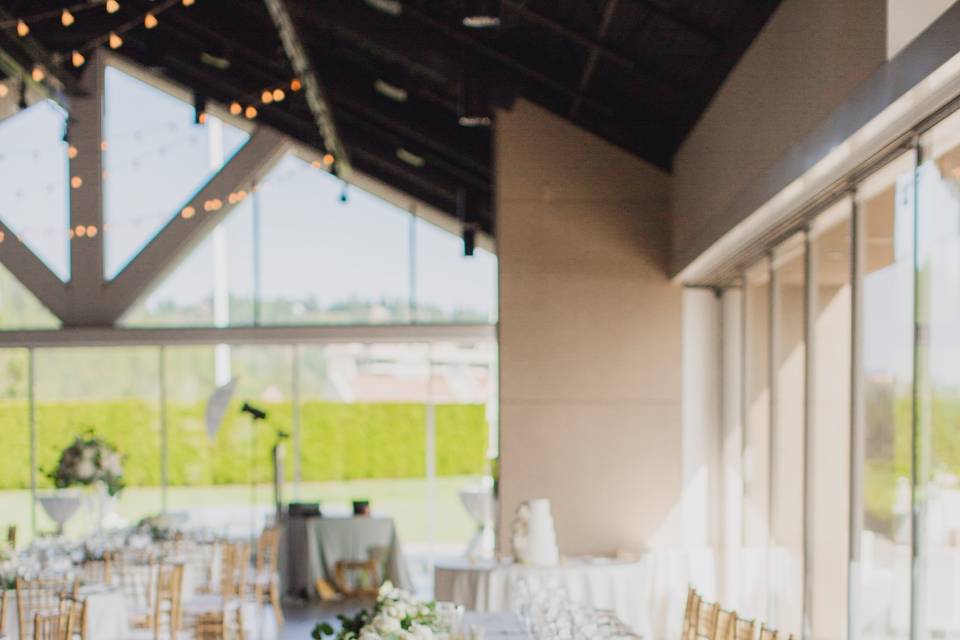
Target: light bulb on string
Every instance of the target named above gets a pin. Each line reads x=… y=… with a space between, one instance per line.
x=72 y=152
x=235 y=108
x=278 y=95
x=22 y=28
x=251 y=112
x=113 y=6
x=150 y=21
x=295 y=84
x=188 y=3
x=4 y=90
x=66 y=18
x=37 y=74
x=76 y=182
x=115 y=41
x=77 y=59
x=80 y=231
x=328 y=159
x=266 y=97
x=91 y=231
x=188 y=212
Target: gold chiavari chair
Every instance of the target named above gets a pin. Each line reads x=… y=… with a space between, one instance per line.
x=690 y=614
x=767 y=633
x=166 y=615
x=744 y=629
x=266 y=577
x=725 y=626
x=55 y=625
x=96 y=571
x=40 y=595
x=707 y=616
x=79 y=623
x=137 y=582
x=4 y=612
x=219 y=616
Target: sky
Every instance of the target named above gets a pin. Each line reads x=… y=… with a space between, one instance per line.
x=312 y=245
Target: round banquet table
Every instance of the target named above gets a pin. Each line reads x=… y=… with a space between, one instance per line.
x=598 y=582
x=106 y=614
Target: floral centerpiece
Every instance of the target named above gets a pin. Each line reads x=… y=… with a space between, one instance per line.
x=89 y=461
x=397 y=615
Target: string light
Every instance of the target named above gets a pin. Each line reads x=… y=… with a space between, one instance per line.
x=278 y=95
x=251 y=112
x=188 y=3
x=22 y=29
x=91 y=231
x=316 y=164
x=295 y=84
x=115 y=41
x=235 y=108
x=150 y=21
x=37 y=74
x=328 y=159
x=103 y=145
x=113 y=6
x=2 y=236
x=77 y=59
x=72 y=152
x=3 y=90
x=188 y=212
x=266 y=97
x=66 y=18
x=80 y=231
x=76 y=182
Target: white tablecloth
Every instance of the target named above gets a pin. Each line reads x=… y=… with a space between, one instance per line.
x=106 y=615
x=647 y=594
x=600 y=583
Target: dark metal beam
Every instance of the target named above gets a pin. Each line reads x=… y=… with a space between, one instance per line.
x=608 y=10
x=313 y=89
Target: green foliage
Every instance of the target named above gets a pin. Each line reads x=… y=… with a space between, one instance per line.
x=339 y=441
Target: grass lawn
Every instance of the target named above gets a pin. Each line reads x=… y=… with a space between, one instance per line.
x=406 y=500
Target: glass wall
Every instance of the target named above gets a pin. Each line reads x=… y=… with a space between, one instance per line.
x=787 y=445
x=756 y=444
x=405 y=426
x=828 y=511
x=831 y=391
x=937 y=452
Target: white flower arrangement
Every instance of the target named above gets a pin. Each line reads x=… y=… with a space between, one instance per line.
x=397 y=615
x=89 y=461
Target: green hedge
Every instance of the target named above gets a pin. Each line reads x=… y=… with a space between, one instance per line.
x=339 y=441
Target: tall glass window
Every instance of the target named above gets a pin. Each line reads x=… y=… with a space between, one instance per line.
x=828 y=511
x=787 y=437
x=880 y=569
x=756 y=441
x=938 y=381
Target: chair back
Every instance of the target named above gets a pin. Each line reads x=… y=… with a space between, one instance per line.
x=56 y=625
x=707 y=619
x=96 y=571
x=690 y=613
x=168 y=600
x=767 y=633
x=233 y=569
x=137 y=582
x=744 y=629
x=268 y=549
x=39 y=596
x=4 y=610
x=726 y=625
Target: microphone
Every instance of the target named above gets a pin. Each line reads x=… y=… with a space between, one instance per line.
x=255 y=413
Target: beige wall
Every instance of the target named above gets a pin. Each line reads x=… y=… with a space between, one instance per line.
x=589 y=336
x=809 y=57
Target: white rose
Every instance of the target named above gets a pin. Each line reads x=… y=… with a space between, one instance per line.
x=386 y=624
x=85 y=470
x=386 y=589
x=421 y=632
